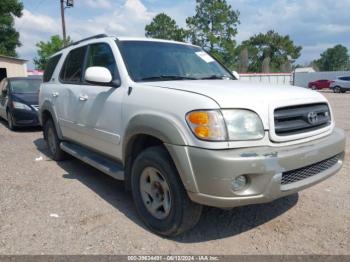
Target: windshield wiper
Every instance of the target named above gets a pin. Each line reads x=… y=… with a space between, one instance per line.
x=215 y=77
x=167 y=78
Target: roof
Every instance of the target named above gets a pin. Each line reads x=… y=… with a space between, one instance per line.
x=13 y=58
x=24 y=78
x=151 y=40
x=95 y=38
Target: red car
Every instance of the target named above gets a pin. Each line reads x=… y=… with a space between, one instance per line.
x=320 y=84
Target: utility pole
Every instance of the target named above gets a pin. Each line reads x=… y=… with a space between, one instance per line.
x=65 y=4
x=63 y=23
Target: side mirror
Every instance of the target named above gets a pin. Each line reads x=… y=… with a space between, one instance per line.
x=98 y=75
x=236 y=75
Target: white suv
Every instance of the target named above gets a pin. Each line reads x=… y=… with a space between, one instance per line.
x=181 y=131
x=341 y=84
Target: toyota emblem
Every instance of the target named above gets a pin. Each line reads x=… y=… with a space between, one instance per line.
x=312 y=118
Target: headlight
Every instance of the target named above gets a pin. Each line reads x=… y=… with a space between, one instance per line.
x=225 y=125
x=207 y=125
x=19 y=105
x=243 y=124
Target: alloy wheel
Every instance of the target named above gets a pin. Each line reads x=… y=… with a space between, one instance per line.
x=155 y=193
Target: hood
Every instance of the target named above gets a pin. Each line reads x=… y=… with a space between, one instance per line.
x=261 y=98
x=26 y=98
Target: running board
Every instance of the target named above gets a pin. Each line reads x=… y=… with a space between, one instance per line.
x=99 y=162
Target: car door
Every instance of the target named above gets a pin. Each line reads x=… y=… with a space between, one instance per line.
x=100 y=115
x=66 y=96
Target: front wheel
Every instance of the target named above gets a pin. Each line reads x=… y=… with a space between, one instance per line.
x=10 y=121
x=160 y=198
x=53 y=142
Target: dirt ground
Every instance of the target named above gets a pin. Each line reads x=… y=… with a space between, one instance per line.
x=71 y=208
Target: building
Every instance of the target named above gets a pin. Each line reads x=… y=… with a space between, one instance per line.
x=12 y=67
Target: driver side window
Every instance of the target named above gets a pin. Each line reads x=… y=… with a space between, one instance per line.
x=101 y=55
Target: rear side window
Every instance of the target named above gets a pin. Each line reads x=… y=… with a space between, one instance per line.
x=71 y=71
x=101 y=55
x=50 y=67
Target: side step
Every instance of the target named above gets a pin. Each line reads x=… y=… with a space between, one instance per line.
x=99 y=162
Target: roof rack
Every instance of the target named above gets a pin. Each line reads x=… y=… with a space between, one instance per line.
x=88 y=38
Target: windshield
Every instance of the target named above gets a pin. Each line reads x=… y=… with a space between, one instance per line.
x=158 y=61
x=25 y=85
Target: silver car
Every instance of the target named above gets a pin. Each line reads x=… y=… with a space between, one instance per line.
x=341 y=84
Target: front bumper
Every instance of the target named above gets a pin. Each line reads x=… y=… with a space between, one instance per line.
x=25 y=117
x=208 y=174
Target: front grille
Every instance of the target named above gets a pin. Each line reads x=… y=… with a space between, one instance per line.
x=309 y=171
x=298 y=119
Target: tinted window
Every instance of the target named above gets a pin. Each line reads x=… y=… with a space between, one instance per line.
x=101 y=55
x=50 y=67
x=152 y=61
x=72 y=69
x=25 y=85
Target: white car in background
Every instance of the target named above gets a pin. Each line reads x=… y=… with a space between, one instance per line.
x=341 y=84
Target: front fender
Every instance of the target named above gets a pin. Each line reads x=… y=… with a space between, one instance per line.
x=170 y=134
x=47 y=106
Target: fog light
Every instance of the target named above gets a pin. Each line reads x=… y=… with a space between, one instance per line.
x=239 y=182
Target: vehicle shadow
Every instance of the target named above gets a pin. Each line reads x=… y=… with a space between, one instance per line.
x=214 y=224
x=3 y=122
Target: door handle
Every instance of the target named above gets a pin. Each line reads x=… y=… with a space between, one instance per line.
x=83 y=97
x=55 y=94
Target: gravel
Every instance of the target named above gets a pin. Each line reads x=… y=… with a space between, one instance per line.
x=71 y=208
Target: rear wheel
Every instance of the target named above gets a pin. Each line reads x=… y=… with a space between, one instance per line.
x=337 y=89
x=53 y=142
x=10 y=121
x=160 y=198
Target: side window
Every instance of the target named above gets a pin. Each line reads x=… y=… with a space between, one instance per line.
x=50 y=67
x=71 y=71
x=347 y=78
x=101 y=55
x=342 y=78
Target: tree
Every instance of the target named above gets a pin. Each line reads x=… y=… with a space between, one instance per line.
x=164 y=27
x=214 y=27
x=334 y=59
x=272 y=46
x=46 y=49
x=9 y=37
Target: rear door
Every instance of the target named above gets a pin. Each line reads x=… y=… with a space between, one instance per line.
x=66 y=98
x=100 y=115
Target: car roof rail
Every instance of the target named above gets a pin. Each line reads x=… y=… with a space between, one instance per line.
x=88 y=38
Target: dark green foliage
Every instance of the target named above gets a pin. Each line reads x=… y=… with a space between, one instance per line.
x=270 y=47
x=9 y=37
x=334 y=59
x=46 y=49
x=164 y=27
x=214 y=27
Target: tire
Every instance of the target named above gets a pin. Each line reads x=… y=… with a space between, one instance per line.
x=337 y=89
x=177 y=212
x=53 y=142
x=10 y=123
x=313 y=87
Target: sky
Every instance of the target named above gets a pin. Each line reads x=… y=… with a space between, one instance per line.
x=313 y=24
